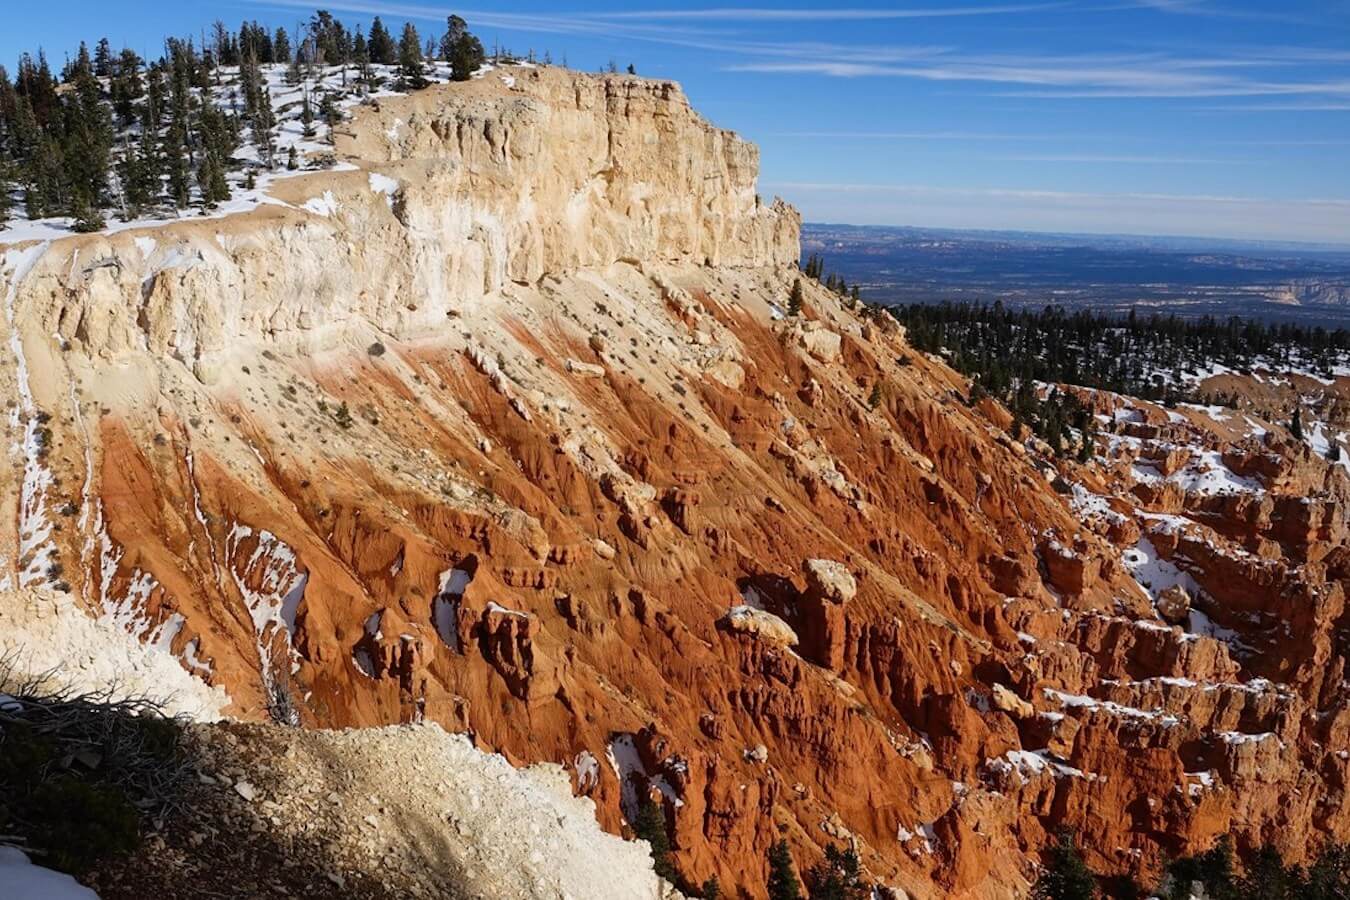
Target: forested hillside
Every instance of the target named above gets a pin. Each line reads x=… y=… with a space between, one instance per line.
x=115 y=136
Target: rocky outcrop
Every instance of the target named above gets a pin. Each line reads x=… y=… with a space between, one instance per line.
x=829 y=588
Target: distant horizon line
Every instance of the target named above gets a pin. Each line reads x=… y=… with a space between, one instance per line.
x=1324 y=245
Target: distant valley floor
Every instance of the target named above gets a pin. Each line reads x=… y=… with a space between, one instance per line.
x=1189 y=277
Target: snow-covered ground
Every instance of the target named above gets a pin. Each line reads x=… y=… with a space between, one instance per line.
x=313 y=152
x=21 y=880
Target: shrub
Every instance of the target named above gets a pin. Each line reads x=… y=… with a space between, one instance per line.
x=77 y=771
x=1066 y=876
x=837 y=876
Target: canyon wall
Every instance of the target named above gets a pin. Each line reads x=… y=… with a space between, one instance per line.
x=502 y=424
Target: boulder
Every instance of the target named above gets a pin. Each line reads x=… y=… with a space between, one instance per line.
x=829 y=580
x=1174 y=605
x=759 y=624
x=820 y=342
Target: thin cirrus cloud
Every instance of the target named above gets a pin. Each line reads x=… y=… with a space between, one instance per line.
x=764 y=14
x=1088 y=76
x=1118 y=159
x=1074 y=77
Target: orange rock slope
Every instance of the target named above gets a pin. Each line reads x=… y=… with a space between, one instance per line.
x=503 y=425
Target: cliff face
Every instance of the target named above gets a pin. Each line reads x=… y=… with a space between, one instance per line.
x=501 y=425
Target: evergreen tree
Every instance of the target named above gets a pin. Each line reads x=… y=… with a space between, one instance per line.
x=1088 y=448
x=455 y=29
x=126 y=87
x=86 y=214
x=1065 y=876
x=410 y=59
x=837 y=877
x=103 y=59
x=783 y=883
x=281 y=47
x=712 y=889
x=292 y=160
x=294 y=75
x=1329 y=876
x=651 y=827
x=88 y=142
x=874 y=399
x=331 y=115
x=795 y=299
x=1268 y=878
x=1296 y=424
x=6 y=185
x=466 y=53
x=361 y=56
x=380 y=44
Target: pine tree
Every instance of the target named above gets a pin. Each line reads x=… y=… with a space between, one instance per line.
x=783 y=883
x=455 y=29
x=126 y=87
x=331 y=115
x=88 y=140
x=651 y=827
x=103 y=59
x=6 y=186
x=1296 y=424
x=712 y=889
x=837 y=877
x=1065 y=876
x=281 y=46
x=264 y=120
x=307 y=117
x=85 y=213
x=294 y=75
x=874 y=399
x=292 y=160
x=380 y=44
x=466 y=54
x=410 y=59
x=795 y=299
x=1088 y=448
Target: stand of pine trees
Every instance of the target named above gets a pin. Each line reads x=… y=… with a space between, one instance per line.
x=116 y=135
x=1141 y=356
x=1213 y=874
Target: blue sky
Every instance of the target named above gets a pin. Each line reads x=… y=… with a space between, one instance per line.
x=1228 y=118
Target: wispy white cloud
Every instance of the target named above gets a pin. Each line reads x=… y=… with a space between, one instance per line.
x=1315 y=106
x=917 y=135
x=1067 y=77
x=825 y=14
x=1095 y=137
x=1126 y=159
x=1250 y=72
